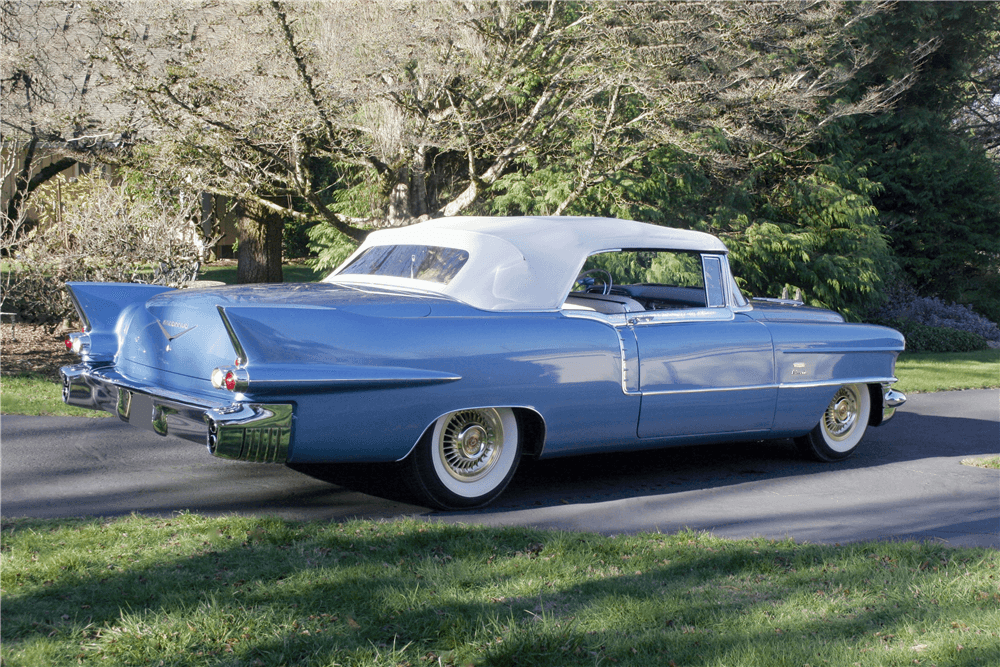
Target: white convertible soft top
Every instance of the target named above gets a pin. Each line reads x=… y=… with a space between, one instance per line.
x=521 y=263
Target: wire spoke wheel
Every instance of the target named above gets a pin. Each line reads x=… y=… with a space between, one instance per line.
x=470 y=444
x=841 y=415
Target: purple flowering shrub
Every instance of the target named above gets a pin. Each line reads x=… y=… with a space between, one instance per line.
x=933 y=325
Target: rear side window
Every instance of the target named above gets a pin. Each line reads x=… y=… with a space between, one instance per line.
x=420 y=262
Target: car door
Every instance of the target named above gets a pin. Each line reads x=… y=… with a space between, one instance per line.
x=704 y=369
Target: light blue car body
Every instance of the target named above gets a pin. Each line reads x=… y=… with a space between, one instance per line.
x=342 y=371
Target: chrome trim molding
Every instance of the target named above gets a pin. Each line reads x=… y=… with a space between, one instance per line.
x=630 y=379
x=705 y=314
x=836 y=382
x=835 y=350
x=782 y=385
x=782 y=302
x=314 y=383
x=241 y=355
x=705 y=390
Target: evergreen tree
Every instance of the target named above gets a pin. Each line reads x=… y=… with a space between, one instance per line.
x=939 y=200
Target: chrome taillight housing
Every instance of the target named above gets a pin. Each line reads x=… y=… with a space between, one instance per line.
x=231 y=378
x=78 y=343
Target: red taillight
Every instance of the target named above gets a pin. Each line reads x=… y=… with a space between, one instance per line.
x=69 y=343
x=231 y=379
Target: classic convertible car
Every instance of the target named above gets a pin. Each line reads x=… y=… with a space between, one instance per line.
x=458 y=345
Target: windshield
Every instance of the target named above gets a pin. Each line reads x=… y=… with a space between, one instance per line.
x=430 y=263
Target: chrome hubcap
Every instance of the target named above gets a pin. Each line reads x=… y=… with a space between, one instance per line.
x=470 y=443
x=842 y=414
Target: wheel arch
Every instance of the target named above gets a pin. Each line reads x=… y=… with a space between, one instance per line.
x=530 y=424
x=532 y=428
x=875 y=416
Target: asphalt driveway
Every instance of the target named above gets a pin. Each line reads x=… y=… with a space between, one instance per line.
x=905 y=482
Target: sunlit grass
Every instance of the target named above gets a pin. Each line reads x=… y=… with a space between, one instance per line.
x=191 y=590
x=35 y=395
x=924 y=372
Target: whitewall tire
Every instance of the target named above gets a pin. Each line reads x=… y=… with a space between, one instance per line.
x=467 y=458
x=841 y=427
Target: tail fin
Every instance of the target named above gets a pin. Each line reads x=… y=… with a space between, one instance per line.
x=99 y=306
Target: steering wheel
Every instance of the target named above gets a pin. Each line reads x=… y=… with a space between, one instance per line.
x=605 y=276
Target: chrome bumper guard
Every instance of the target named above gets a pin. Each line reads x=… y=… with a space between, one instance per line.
x=891 y=399
x=257 y=432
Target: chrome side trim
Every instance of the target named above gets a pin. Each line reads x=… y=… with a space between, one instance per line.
x=782 y=385
x=341 y=383
x=782 y=302
x=705 y=390
x=836 y=382
x=716 y=314
x=241 y=355
x=836 y=350
x=630 y=360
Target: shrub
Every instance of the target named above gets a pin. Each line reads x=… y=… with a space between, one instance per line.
x=924 y=338
x=97 y=232
x=903 y=308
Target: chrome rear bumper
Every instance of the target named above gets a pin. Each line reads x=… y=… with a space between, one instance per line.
x=258 y=432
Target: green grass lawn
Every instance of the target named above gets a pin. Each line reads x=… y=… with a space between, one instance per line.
x=923 y=372
x=190 y=590
x=35 y=395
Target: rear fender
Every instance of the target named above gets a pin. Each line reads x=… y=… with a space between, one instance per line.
x=283 y=350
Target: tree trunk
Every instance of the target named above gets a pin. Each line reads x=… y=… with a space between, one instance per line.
x=259 y=257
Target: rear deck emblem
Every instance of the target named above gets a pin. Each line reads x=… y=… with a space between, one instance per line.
x=176 y=325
